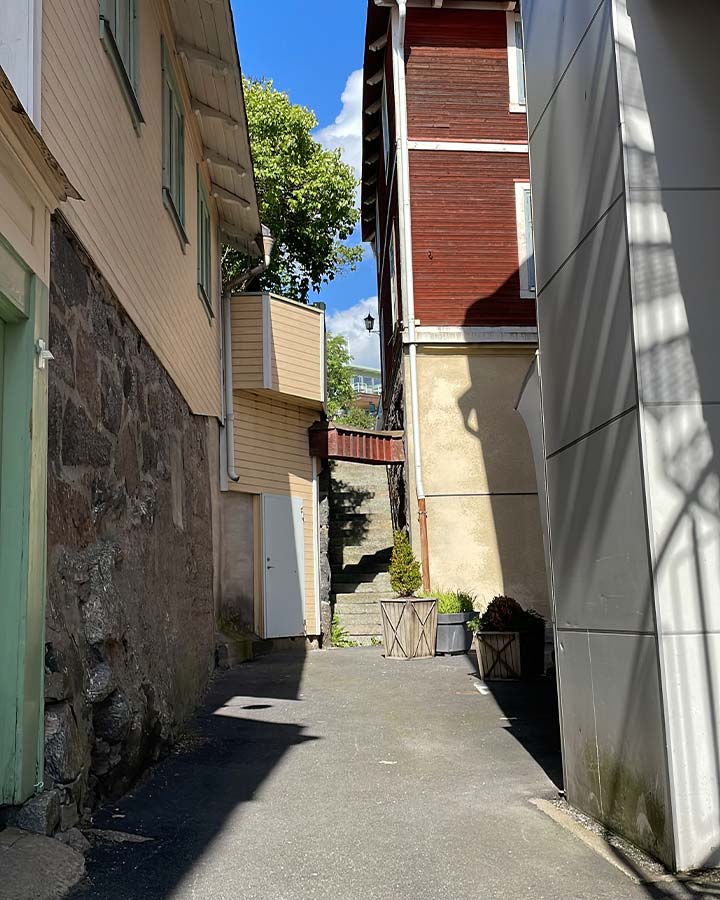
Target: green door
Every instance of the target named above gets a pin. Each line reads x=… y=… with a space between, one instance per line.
x=23 y=480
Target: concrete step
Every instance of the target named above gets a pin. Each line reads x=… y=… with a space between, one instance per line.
x=352 y=519
x=361 y=532
x=343 y=556
x=359 y=571
x=362 y=621
x=366 y=598
x=372 y=582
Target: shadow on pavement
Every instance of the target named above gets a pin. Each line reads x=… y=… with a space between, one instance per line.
x=183 y=803
x=531 y=710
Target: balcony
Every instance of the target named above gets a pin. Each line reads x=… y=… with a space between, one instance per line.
x=278 y=348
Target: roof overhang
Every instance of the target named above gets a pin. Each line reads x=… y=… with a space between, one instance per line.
x=57 y=184
x=205 y=42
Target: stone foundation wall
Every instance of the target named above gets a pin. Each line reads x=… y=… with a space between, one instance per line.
x=130 y=616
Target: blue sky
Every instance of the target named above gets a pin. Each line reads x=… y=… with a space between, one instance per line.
x=314 y=52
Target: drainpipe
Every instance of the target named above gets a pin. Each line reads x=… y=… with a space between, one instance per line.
x=403 y=167
x=237 y=284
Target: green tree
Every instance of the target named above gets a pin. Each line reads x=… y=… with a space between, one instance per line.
x=306 y=196
x=338 y=362
x=356 y=417
x=405 y=577
x=341 y=406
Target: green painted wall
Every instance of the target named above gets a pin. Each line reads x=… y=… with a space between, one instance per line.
x=23 y=480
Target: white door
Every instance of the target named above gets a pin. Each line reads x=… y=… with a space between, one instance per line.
x=284 y=561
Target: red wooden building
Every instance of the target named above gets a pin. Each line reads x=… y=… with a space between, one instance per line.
x=446 y=208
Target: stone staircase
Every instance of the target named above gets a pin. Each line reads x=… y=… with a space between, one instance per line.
x=360 y=547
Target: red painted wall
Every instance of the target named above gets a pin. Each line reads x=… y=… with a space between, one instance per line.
x=457 y=77
x=465 y=252
x=465 y=255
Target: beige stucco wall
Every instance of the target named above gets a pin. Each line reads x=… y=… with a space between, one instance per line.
x=484 y=528
x=122 y=220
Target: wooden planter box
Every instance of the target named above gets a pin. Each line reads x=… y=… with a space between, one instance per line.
x=508 y=655
x=409 y=628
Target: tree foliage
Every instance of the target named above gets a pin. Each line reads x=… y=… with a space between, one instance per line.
x=338 y=360
x=405 y=577
x=341 y=407
x=306 y=196
x=357 y=417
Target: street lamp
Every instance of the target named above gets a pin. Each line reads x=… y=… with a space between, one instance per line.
x=369 y=322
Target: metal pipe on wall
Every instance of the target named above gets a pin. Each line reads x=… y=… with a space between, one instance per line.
x=399 y=19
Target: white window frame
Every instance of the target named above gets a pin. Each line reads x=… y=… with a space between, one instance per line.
x=516 y=65
x=386 y=128
x=392 y=271
x=20 y=52
x=526 y=243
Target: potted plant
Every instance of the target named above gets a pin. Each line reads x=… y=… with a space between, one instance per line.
x=509 y=640
x=409 y=622
x=455 y=610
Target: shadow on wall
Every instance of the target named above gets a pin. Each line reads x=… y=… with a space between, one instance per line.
x=184 y=803
x=513 y=540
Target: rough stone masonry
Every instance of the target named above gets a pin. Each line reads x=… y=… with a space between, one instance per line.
x=130 y=616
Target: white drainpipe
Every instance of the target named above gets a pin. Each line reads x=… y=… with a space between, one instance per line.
x=403 y=167
x=237 y=284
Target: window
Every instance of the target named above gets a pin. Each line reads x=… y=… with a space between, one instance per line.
x=173 y=173
x=119 y=34
x=393 y=279
x=386 y=129
x=526 y=244
x=516 y=64
x=204 y=270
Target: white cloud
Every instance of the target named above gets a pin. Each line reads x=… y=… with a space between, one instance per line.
x=364 y=347
x=346 y=130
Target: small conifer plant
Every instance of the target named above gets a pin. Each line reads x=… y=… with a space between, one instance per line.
x=405 y=576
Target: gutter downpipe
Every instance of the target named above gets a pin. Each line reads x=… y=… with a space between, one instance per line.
x=403 y=165
x=236 y=284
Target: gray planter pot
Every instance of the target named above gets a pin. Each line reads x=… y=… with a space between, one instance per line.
x=452 y=634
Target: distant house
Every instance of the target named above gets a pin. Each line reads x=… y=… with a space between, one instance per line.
x=367 y=385
x=446 y=208
x=159 y=426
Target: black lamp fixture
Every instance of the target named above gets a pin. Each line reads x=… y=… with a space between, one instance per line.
x=369 y=322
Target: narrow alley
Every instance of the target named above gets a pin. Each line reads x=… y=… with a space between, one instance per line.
x=343 y=774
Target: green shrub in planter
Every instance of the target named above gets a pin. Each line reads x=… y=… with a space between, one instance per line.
x=506 y=615
x=405 y=576
x=454 y=609
x=454 y=602
x=409 y=622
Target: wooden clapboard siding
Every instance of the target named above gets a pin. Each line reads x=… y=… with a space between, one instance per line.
x=296 y=350
x=465 y=246
x=458 y=88
x=272 y=457
x=247 y=342
x=122 y=222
